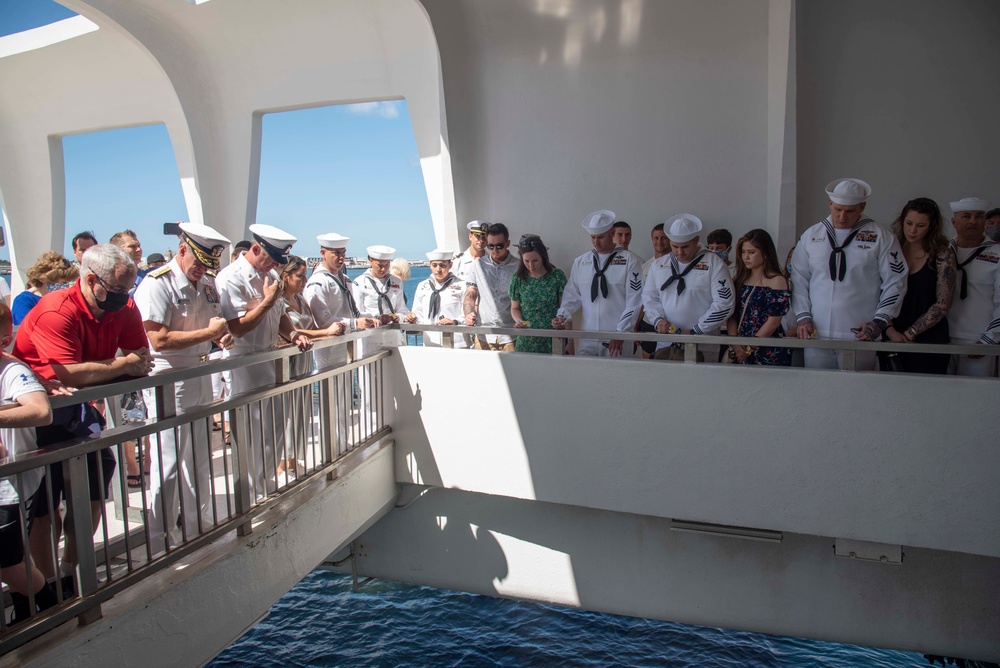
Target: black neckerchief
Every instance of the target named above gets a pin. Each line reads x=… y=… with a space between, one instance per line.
x=963 y=290
x=383 y=295
x=600 y=282
x=838 y=260
x=435 y=306
x=679 y=277
x=342 y=284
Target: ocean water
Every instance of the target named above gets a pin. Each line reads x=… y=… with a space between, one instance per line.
x=323 y=622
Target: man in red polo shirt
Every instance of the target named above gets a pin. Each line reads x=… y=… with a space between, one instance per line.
x=73 y=336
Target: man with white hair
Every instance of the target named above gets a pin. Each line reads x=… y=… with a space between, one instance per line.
x=689 y=291
x=606 y=283
x=250 y=294
x=438 y=300
x=849 y=276
x=182 y=317
x=975 y=313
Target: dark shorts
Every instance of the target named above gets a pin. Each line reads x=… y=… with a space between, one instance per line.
x=11 y=545
x=70 y=422
x=648 y=347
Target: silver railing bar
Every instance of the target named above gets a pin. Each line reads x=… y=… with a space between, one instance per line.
x=704 y=339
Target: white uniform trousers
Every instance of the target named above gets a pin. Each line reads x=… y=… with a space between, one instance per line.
x=819 y=358
x=963 y=365
x=343 y=392
x=267 y=426
x=592 y=347
x=178 y=466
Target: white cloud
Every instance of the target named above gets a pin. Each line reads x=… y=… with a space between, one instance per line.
x=382 y=109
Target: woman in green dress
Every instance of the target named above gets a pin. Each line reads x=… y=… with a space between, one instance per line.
x=535 y=293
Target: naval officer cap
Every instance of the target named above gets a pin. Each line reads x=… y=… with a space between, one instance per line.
x=599 y=222
x=332 y=241
x=381 y=252
x=478 y=226
x=970 y=204
x=848 y=192
x=683 y=227
x=439 y=254
x=206 y=243
x=276 y=243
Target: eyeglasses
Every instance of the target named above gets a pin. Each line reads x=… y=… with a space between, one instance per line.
x=116 y=290
x=497 y=246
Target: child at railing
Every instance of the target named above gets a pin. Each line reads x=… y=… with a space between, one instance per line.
x=24 y=405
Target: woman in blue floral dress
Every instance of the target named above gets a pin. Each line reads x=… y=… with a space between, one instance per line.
x=763 y=300
x=535 y=293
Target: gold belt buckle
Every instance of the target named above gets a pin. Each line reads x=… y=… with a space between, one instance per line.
x=202 y=358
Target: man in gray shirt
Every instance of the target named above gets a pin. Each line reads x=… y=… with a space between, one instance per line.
x=487 y=302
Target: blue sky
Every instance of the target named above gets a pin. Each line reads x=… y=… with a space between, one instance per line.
x=351 y=169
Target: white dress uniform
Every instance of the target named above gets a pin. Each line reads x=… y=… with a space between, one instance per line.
x=843 y=278
x=167 y=297
x=331 y=299
x=241 y=289
x=976 y=316
x=462 y=265
x=451 y=294
x=614 y=310
x=698 y=295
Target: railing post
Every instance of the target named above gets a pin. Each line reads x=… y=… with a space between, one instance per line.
x=81 y=524
x=282 y=370
x=690 y=353
x=242 y=491
x=848 y=360
x=447 y=340
x=328 y=433
x=558 y=345
x=352 y=349
x=166 y=404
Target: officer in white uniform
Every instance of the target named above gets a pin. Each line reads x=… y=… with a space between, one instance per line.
x=330 y=296
x=462 y=266
x=848 y=276
x=250 y=293
x=975 y=312
x=607 y=284
x=688 y=291
x=438 y=299
x=181 y=314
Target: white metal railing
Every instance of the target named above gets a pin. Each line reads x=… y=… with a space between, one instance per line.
x=317 y=422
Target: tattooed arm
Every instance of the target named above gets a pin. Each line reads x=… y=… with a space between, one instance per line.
x=469 y=303
x=946 y=274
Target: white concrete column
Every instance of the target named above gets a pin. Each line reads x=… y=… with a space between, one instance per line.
x=781 y=149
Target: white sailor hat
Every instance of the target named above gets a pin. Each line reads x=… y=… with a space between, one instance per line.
x=332 y=240
x=848 y=192
x=277 y=243
x=206 y=243
x=683 y=227
x=599 y=222
x=970 y=204
x=478 y=226
x=439 y=254
x=381 y=252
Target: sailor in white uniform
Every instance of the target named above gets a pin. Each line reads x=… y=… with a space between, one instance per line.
x=182 y=317
x=975 y=312
x=462 y=264
x=848 y=276
x=689 y=291
x=438 y=299
x=606 y=283
x=250 y=293
x=330 y=296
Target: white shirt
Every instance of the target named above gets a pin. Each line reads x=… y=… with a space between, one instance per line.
x=873 y=286
x=368 y=290
x=4 y=288
x=241 y=289
x=16 y=380
x=451 y=300
x=492 y=280
x=977 y=317
x=329 y=298
x=706 y=302
x=462 y=265
x=168 y=298
x=620 y=309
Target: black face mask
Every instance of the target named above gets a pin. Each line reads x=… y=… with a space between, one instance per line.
x=114 y=301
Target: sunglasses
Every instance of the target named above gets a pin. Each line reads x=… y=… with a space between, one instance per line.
x=530 y=243
x=497 y=246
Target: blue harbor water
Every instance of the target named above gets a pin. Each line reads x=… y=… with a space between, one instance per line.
x=322 y=622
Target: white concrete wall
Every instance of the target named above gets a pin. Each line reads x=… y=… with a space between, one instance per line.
x=899 y=93
x=648 y=108
x=937 y=602
x=899 y=459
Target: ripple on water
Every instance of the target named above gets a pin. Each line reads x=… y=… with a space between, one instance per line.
x=322 y=622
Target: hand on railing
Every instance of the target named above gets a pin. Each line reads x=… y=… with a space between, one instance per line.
x=869 y=331
x=895 y=336
x=55 y=388
x=411 y=317
x=521 y=324
x=614 y=348
x=138 y=362
x=559 y=322
x=806 y=330
x=226 y=341
x=470 y=319
x=446 y=321
x=336 y=329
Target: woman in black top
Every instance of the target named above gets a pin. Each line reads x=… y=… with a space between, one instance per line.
x=930 y=286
